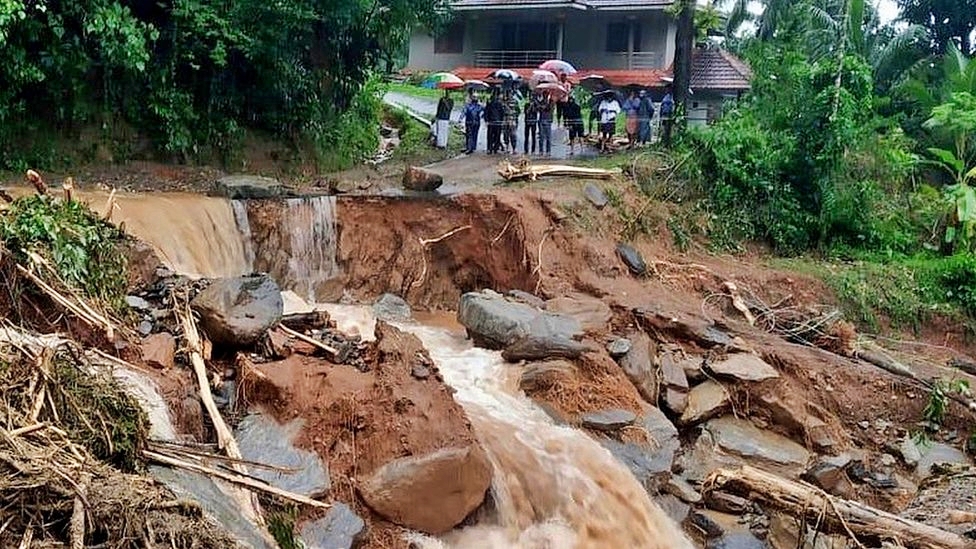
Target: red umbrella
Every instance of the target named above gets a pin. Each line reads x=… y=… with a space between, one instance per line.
x=558 y=66
x=540 y=76
x=553 y=89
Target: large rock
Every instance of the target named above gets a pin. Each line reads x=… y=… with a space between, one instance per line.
x=675 y=383
x=340 y=528
x=595 y=195
x=419 y=179
x=741 y=437
x=632 y=258
x=238 y=311
x=608 y=420
x=524 y=332
x=830 y=477
x=392 y=308
x=705 y=401
x=937 y=453
x=638 y=366
x=431 y=493
x=744 y=367
x=159 y=350
x=591 y=313
x=651 y=462
x=248 y=186
x=264 y=440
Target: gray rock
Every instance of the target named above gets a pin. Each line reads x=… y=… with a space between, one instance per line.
x=936 y=453
x=392 y=308
x=705 y=401
x=145 y=327
x=420 y=372
x=238 y=311
x=137 y=303
x=741 y=437
x=495 y=323
x=619 y=347
x=744 y=367
x=639 y=368
x=910 y=451
x=431 y=493
x=650 y=463
x=707 y=525
x=595 y=195
x=264 y=440
x=676 y=509
x=527 y=298
x=693 y=369
x=737 y=540
x=608 y=420
x=340 y=528
x=676 y=400
x=541 y=347
x=419 y=179
x=632 y=258
x=725 y=502
x=592 y=314
x=832 y=479
x=680 y=488
x=672 y=373
x=248 y=186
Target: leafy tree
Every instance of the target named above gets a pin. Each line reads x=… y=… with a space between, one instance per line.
x=948 y=21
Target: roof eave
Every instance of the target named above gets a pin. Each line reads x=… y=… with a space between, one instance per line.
x=509 y=7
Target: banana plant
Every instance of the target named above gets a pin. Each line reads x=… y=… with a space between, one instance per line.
x=957 y=117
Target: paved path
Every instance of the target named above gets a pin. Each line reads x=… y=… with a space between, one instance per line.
x=428 y=107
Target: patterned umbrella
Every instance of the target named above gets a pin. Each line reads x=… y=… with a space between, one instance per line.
x=505 y=74
x=558 y=66
x=443 y=81
x=540 y=77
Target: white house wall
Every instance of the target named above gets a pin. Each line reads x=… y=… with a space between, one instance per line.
x=584 y=42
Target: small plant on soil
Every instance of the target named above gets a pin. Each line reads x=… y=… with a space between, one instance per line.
x=82 y=247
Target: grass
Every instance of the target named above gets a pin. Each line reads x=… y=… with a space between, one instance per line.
x=416 y=91
x=415 y=147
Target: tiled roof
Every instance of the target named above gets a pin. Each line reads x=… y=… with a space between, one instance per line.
x=577 y=4
x=649 y=78
x=717 y=69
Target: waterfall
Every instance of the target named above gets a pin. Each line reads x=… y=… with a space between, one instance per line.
x=244 y=228
x=310 y=226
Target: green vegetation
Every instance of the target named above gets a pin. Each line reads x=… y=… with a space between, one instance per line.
x=83 y=249
x=195 y=75
x=414 y=90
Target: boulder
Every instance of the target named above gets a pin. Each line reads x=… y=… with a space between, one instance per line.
x=595 y=195
x=619 y=347
x=538 y=376
x=247 y=186
x=608 y=420
x=741 y=437
x=592 y=314
x=264 y=440
x=705 y=401
x=494 y=322
x=159 y=350
x=692 y=367
x=672 y=373
x=238 y=311
x=527 y=298
x=419 y=179
x=632 y=258
x=541 y=347
x=937 y=453
x=725 y=502
x=431 y=493
x=392 y=308
x=679 y=488
x=639 y=367
x=800 y=416
x=830 y=478
x=649 y=462
x=743 y=367
x=340 y=528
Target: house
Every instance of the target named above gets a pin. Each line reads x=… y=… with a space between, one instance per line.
x=628 y=42
x=616 y=36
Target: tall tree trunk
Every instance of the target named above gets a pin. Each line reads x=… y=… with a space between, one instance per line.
x=684 y=44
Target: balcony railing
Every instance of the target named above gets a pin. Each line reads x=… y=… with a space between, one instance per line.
x=497 y=59
x=642 y=60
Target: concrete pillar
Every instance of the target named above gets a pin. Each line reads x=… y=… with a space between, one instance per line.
x=560 y=32
x=630 y=44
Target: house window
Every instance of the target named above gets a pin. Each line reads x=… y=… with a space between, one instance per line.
x=618 y=36
x=528 y=36
x=451 y=39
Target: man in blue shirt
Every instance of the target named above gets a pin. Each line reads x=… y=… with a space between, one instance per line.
x=473 y=112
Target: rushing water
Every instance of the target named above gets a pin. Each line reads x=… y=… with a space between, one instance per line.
x=310 y=224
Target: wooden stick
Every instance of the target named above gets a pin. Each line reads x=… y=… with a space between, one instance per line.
x=77 y=525
x=110 y=206
x=37 y=181
x=44 y=366
x=68 y=185
x=807 y=501
x=28 y=429
x=309 y=340
x=234 y=478
x=89 y=317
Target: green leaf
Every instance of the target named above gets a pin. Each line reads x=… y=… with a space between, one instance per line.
x=948 y=158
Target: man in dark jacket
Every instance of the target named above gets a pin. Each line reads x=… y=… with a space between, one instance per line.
x=573 y=117
x=495 y=118
x=531 y=123
x=472 y=124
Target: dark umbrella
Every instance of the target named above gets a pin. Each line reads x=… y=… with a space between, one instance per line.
x=594 y=83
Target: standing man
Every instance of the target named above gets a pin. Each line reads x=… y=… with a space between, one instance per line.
x=631 y=106
x=645 y=112
x=667 y=117
x=510 y=124
x=545 y=125
x=494 y=117
x=444 y=108
x=472 y=124
x=531 y=123
x=574 y=121
x=609 y=109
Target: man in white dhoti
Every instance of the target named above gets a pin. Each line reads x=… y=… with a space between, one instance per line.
x=443 y=119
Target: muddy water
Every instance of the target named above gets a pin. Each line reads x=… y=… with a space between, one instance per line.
x=553 y=486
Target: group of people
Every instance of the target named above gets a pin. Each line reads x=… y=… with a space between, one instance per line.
x=502 y=111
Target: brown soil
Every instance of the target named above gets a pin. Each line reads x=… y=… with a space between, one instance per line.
x=358 y=421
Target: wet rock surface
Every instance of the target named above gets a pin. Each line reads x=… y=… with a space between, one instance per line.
x=431 y=493
x=595 y=195
x=632 y=259
x=742 y=438
x=649 y=461
x=247 y=186
x=238 y=311
x=340 y=528
x=392 y=308
x=608 y=420
x=264 y=440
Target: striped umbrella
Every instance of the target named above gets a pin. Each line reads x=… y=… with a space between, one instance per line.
x=558 y=66
x=443 y=81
